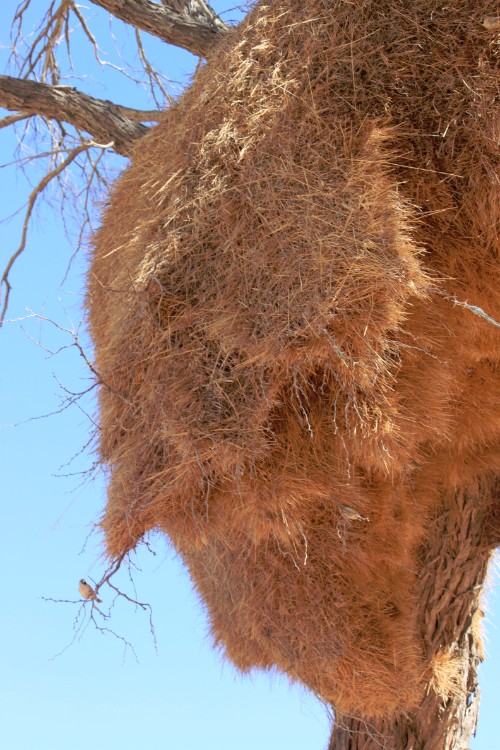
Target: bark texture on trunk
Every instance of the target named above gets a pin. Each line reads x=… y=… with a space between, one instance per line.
x=454 y=563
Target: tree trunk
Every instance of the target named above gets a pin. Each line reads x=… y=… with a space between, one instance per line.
x=454 y=563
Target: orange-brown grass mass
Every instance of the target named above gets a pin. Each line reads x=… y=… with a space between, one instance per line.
x=288 y=387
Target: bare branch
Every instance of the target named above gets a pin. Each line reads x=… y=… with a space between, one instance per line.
x=477 y=311
x=190 y=24
x=153 y=78
x=4 y=281
x=35 y=56
x=12 y=120
x=103 y=119
x=84 y=617
x=74 y=334
x=41 y=55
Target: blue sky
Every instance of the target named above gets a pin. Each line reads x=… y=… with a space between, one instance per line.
x=184 y=696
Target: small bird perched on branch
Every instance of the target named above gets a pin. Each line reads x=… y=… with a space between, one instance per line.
x=87 y=591
x=351 y=514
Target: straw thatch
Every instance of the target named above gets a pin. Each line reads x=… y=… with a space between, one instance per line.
x=289 y=389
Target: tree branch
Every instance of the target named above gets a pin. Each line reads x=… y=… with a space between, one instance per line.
x=38 y=190
x=190 y=24
x=104 y=120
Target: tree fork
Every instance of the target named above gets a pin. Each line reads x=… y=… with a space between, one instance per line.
x=454 y=562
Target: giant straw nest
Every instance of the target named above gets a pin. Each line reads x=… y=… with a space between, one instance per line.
x=288 y=387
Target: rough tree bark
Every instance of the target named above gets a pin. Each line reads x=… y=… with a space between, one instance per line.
x=105 y=121
x=190 y=24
